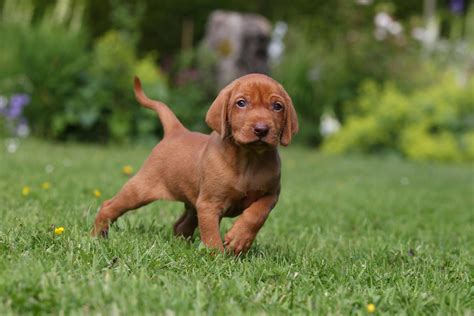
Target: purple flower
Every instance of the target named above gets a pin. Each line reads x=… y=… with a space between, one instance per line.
x=17 y=102
x=457 y=6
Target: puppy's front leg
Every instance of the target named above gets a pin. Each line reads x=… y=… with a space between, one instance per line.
x=209 y=217
x=240 y=237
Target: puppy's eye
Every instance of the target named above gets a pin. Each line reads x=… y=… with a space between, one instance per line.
x=241 y=103
x=277 y=106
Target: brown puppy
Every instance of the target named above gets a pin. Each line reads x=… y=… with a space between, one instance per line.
x=234 y=170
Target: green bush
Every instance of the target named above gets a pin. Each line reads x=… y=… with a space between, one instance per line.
x=431 y=123
x=299 y=73
x=76 y=93
x=104 y=107
x=322 y=76
x=193 y=86
x=79 y=78
x=43 y=58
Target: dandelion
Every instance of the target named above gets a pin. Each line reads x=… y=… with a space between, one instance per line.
x=58 y=230
x=12 y=145
x=97 y=193
x=49 y=168
x=127 y=170
x=25 y=191
x=45 y=185
x=371 y=308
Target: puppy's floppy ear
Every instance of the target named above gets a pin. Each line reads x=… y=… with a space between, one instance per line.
x=216 y=117
x=290 y=127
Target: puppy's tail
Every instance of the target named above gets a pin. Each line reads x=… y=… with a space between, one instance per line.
x=168 y=119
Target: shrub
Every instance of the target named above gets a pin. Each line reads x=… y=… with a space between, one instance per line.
x=12 y=121
x=322 y=76
x=104 y=106
x=194 y=86
x=299 y=73
x=43 y=58
x=432 y=123
x=76 y=93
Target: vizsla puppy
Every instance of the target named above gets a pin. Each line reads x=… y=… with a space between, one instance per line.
x=233 y=171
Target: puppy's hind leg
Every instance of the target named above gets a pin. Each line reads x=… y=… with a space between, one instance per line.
x=187 y=223
x=134 y=194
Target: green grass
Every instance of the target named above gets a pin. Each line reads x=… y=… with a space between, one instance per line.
x=346 y=232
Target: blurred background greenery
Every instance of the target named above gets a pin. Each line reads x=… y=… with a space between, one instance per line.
x=365 y=76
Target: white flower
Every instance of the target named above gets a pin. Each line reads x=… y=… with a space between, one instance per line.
x=12 y=145
x=280 y=29
x=329 y=125
x=49 y=168
x=385 y=24
x=383 y=20
x=276 y=46
x=395 y=28
x=23 y=130
x=364 y=2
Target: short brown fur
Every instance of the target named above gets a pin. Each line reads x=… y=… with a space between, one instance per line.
x=233 y=171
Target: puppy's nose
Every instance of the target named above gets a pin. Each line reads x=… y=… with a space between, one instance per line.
x=261 y=129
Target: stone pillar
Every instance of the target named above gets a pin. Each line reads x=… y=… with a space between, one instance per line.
x=240 y=41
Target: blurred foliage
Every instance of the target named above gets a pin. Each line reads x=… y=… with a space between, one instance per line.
x=104 y=108
x=76 y=93
x=323 y=78
x=435 y=122
x=33 y=61
x=169 y=15
x=160 y=22
x=193 y=88
x=299 y=72
x=76 y=59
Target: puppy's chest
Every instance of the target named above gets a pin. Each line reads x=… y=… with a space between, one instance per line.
x=251 y=180
x=249 y=186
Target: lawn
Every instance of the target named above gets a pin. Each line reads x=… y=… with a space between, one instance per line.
x=346 y=232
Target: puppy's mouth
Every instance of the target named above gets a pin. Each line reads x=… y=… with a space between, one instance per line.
x=258 y=144
x=252 y=141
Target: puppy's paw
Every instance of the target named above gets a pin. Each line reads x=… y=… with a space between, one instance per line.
x=238 y=240
x=104 y=233
x=100 y=231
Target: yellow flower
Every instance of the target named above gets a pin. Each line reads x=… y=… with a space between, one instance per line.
x=127 y=170
x=58 y=230
x=25 y=191
x=97 y=193
x=371 y=308
x=45 y=185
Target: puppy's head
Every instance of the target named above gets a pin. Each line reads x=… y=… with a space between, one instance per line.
x=255 y=111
